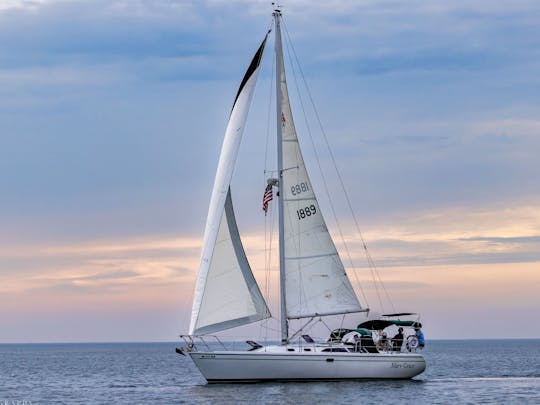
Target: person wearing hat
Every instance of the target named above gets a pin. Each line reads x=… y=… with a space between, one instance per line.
x=397 y=340
x=357 y=344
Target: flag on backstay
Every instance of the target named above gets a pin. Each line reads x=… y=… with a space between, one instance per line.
x=267 y=197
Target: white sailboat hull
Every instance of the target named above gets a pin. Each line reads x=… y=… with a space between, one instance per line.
x=230 y=366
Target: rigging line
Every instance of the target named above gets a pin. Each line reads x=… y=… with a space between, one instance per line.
x=324 y=323
x=269 y=260
x=301 y=329
x=268 y=239
x=269 y=112
x=342 y=321
x=268 y=233
x=380 y=280
x=326 y=189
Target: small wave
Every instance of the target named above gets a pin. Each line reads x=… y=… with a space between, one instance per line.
x=122 y=386
x=500 y=378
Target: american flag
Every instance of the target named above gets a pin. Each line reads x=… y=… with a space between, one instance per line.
x=267 y=197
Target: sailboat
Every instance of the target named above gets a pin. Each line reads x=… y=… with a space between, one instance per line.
x=313 y=280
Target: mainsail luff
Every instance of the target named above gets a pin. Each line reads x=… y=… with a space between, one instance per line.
x=204 y=318
x=313 y=278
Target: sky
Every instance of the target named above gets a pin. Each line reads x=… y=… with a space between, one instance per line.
x=112 y=115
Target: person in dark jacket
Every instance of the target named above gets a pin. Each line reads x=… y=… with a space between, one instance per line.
x=397 y=340
x=420 y=337
x=368 y=344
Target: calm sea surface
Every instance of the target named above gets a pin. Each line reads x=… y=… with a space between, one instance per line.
x=467 y=371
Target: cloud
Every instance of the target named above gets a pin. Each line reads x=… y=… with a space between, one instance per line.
x=101 y=269
x=460 y=236
x=115 y=275
x=509 y=127
x=97 y=34
x=427 y=60
x=116 y=248
x=500 y=240
x=23 y=4
x=420 y=257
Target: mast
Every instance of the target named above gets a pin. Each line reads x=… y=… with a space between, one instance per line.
x=281 y=219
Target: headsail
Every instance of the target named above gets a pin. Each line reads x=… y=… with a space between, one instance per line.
x=226 y=294
x=315 y=280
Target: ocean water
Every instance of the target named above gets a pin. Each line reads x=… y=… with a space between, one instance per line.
x=466 y=371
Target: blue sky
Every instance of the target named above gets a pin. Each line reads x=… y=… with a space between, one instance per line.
x=111 y=120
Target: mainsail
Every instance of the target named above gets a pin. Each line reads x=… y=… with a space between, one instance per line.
x=315 y=280
x=226 y=294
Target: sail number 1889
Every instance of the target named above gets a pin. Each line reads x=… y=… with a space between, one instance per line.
x=306 y=212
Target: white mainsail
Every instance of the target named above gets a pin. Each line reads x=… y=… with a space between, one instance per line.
x=315 y=280
x=226 y=294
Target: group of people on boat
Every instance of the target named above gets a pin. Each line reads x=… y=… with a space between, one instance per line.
x=413 y=342
x=363 y=341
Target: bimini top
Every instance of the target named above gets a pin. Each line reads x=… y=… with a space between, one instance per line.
x=399 y=314
x=380 y=324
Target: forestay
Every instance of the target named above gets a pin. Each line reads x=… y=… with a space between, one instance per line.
x=226 y=294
